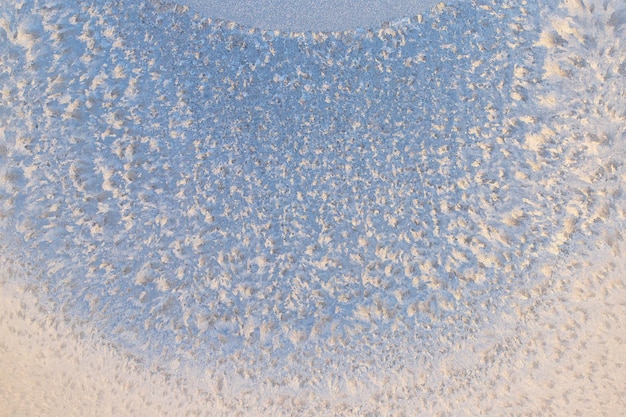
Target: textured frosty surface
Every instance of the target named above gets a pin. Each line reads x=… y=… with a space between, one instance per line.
x=278 y=192
x=318 y=215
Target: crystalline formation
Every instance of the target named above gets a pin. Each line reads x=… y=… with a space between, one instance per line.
x=307 y=204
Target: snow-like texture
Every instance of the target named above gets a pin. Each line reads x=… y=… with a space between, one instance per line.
x=423 y=218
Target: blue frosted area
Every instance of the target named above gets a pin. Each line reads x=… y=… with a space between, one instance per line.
x=201 y=190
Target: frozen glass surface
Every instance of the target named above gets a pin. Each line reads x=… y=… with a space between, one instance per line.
x=309 y=14
x=420 y=218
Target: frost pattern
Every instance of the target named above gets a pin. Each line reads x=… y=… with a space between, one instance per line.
x=299 y=208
